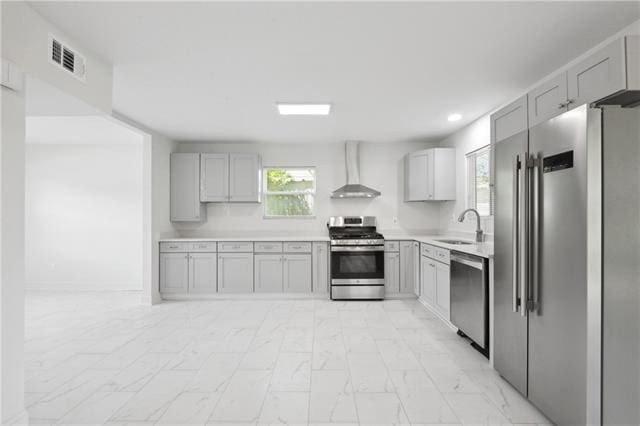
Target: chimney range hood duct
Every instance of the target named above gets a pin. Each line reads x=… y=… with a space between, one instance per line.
x=353 y=189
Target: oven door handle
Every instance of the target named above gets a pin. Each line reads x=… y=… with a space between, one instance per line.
x=356 y=248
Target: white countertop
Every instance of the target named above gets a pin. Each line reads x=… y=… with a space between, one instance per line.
x=476 y=249
x=251 y=237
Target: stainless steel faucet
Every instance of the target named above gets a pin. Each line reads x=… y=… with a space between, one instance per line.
x=479 y=233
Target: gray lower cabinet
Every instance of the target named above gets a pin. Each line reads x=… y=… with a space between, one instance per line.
x=174 y=272
x=188 y=273
x=268 y=273
x=275 y=273
x=428 y=280
x=320 y=267
x=443 y=289
x=235 y=272
x=297 y=273
x=392 y=272
x=202 y=272
x=409 y=267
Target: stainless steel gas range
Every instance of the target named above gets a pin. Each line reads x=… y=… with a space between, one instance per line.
x=357 y=258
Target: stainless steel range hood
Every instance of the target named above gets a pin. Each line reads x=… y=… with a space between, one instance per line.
x=353 y=188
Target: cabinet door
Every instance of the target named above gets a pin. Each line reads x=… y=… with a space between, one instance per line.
x=600 y=75
x=416 y=268
x=320 y=265
x=548 y=100
x=408 y=274
x=184 y=188
x=214 y=178
x=392 y=273
x=235 y=272
x=509 y=120
x=418 y=182
x=174 y=272
x=442 y=163
x=443 y=289
x=268 y=273
x=428 y=280
x=202 y=272
x=244 y=178
x=297 y=273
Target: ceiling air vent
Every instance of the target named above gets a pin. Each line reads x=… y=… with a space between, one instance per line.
x=66 y=58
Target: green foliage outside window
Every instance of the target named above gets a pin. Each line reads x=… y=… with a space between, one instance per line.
x=289 y=192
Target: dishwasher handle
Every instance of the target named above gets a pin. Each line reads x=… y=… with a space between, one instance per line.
x=472 y=261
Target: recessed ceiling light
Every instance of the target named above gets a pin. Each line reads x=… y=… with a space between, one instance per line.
x=454 y=117
x=303 y=109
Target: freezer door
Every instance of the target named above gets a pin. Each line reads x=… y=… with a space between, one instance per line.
x=621 y=267
x=510 y=326
x=558 y=281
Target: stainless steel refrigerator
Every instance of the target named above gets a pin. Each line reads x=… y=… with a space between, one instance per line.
x=567 y=256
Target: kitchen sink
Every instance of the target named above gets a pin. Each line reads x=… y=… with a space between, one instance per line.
x=455 y=242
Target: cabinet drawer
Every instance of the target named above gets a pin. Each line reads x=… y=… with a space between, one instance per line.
x=441 y=255
x=235 y=247
x=203 y=247
x=268 y=247
x=391 y=246
x=168 y=247
x=297 y=247
x=427 y=250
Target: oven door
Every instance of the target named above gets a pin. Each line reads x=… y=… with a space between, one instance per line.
x=357 y=265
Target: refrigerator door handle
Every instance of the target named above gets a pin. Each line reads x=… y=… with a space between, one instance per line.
x=515 y=231
x=532 y=298
x=522 y=232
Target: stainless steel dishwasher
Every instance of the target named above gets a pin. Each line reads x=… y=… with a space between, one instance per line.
x=470 y=298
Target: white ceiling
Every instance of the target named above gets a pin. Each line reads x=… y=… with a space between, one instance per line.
x=393 y=71
x=85 y=130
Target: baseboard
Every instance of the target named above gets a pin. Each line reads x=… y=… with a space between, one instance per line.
x=246 y=296
x=85 y=286
x=438 y=314
x=19 y=419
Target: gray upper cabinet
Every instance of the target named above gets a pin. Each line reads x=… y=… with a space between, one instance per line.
x=244 y=181
x=548 y=100
x=609 y=70
x=214 y=178
x=430 y=175
x=202 y=272
x=235 y=272
x=230 y=178
x=602 y=75
x=268 y=273
x=185 y=181
x=297 y=273
x=320 y=267
x=509 y=120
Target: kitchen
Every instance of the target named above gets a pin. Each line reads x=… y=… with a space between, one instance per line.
x=344 y=251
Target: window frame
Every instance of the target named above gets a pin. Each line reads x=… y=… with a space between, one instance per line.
x=472 y=188
x=311 y=192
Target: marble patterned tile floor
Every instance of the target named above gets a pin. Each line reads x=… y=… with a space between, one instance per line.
x=102 y=358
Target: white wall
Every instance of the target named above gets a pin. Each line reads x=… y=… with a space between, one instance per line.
x=84 y=216
x=25 y=41
x=474 y=136
x=12 y=255
x=157 y=151
x=381 y=168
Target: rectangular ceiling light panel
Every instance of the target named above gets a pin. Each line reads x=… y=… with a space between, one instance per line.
x=303 y=109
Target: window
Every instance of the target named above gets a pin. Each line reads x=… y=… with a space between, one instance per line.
x=479 y=186
x=289 y=191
